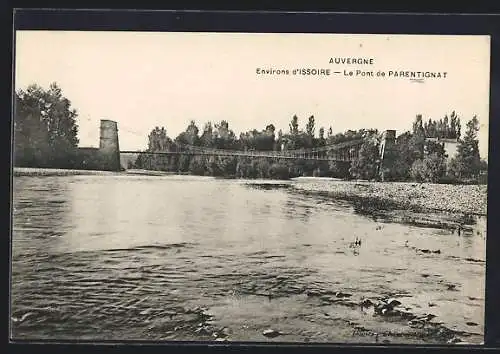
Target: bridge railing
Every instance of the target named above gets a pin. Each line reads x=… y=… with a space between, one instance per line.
x=320 y=153
x=339 y=146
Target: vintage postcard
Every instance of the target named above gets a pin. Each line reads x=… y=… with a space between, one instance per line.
x=320 y=188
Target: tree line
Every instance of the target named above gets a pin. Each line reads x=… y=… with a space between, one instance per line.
x=45 y=129
x=46 y=132
x=220 y=136
x=416 y=157
x=445 y=128
x=413 y=157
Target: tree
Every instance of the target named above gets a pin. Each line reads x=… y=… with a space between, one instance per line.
x=192 y=132
x=270 y=129
x=224 y=138
x=227 y=165
x=308 y=138
x=467 y=162
x=321 y=140
x=446 y=129
x=293 y=140
x=31 y=146
x=269 y=137
x=432 y=147
x=197 y=166
x=430 y=169
x=187 y=137
x=455 y=126
x=366 y=165
x=402 y=158
x=45 y=133
x=294 y=125
x=484 y=165
x=417 y=140
x=310 y=127
x=338 y=169
x=428 y=128
x=207 y=137
x=158 y=141
x=279 y=171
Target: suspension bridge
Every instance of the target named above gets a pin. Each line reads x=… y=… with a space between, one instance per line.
x=347 y=151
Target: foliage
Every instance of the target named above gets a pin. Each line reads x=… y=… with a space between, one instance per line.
x=429 y=169
x=220 y=136
x=279 y=171
x=417 y=140
x=258 y=141
x=45 y=128
x=432 y=167
x=401 y=158
x=338 y=169
x=416 y=157
x=413 y=156
x=467 y=163
x=366 y=164
x=446 y=128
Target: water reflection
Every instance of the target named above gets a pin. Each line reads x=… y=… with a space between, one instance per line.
x=293 y=209
x=41 y=213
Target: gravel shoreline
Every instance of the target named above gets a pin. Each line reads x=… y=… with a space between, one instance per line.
x=464 y=199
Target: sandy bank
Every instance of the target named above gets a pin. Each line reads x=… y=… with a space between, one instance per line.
x=466 y=199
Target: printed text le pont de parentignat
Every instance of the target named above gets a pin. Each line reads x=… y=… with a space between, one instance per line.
x=352 y=67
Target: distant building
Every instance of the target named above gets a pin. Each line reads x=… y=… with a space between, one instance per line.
x=450 y=146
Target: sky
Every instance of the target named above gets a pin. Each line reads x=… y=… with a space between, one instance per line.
x=142 y=80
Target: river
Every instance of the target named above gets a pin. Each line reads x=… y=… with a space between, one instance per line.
x=124 y=257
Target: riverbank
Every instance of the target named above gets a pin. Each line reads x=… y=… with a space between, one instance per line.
x=149 y=173
x=29 y=171
x=464 y=199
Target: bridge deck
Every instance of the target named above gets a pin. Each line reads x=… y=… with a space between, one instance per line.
x=275 y=156
x=339 y=152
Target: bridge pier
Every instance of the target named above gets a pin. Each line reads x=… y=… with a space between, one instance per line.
x=386 y=149
x=109 y=147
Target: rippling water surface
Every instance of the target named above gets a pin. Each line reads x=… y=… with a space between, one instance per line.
x=187 y=258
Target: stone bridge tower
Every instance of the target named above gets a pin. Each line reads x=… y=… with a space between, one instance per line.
x=109 y=148
x=388 y=140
